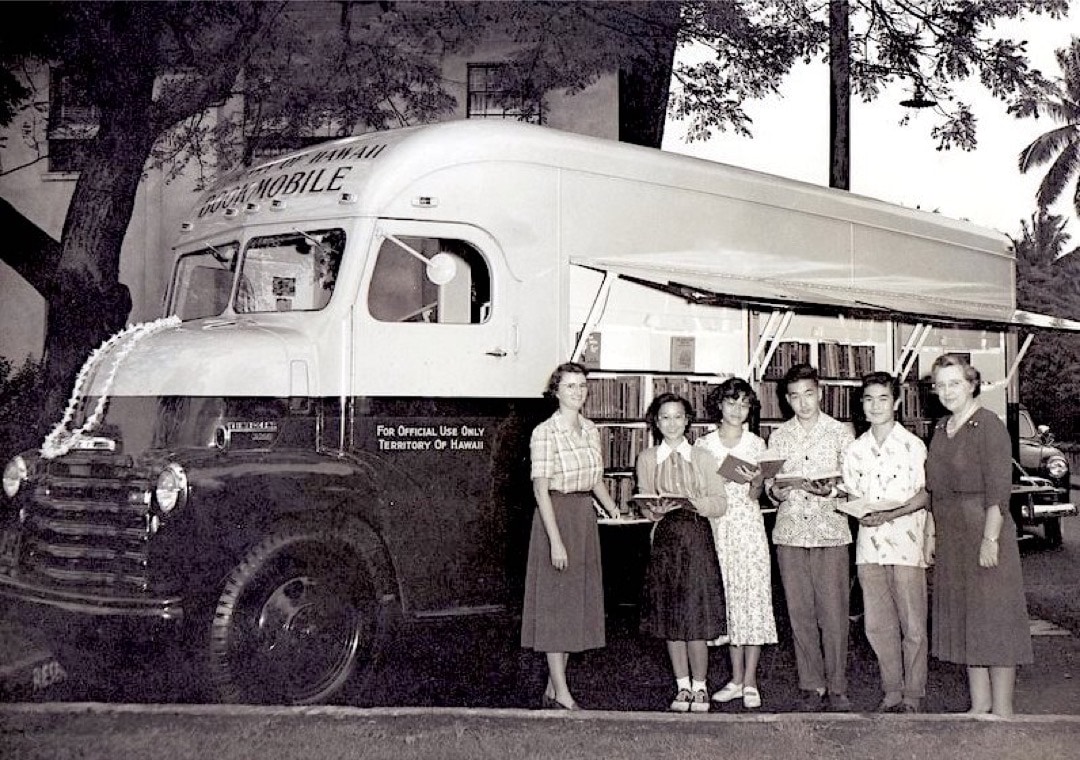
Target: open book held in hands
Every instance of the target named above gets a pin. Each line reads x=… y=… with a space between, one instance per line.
x=660 y=503
x=729 y=468
x=830 y=478
x=859 y=508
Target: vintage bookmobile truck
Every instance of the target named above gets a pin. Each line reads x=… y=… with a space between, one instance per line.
x=328 y=432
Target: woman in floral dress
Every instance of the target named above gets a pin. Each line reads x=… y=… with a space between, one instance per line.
x=741 y=542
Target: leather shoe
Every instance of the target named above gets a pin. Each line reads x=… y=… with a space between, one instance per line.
x=550 y=703
x=839 y=703
x=909 y=707
x=811 y=701
x=889 y=707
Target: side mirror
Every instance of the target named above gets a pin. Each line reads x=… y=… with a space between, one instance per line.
x=441 y=268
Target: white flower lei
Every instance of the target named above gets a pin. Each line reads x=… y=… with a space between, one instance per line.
x=61 y=440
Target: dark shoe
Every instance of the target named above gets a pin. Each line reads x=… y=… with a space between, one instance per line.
x=811 y=701
x=839 y=703
x=909 y=707
x=889 y=707
x=550 y=703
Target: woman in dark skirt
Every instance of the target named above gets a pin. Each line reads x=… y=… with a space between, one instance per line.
x=979 y=613
x=683 y=600
x=564 y=588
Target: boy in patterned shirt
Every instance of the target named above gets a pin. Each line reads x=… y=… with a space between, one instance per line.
x=885 y=467
x=812 y=541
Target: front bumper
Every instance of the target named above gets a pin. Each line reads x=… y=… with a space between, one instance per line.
x=159 y=608
x=1035 y=504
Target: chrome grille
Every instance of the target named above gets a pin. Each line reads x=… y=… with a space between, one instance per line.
x=87 y=526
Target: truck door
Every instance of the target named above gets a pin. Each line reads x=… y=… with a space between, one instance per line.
x=440 y=365
x=441 y=314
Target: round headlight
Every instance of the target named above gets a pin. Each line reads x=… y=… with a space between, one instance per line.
x=171 y=488
x=1057 y=466
x=14 y=475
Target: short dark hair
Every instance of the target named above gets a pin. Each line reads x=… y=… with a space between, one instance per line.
x=884 y=379
x=971 y=374
x=733 y=387
x=654 y=411
x=566 y=368
x=801 y=372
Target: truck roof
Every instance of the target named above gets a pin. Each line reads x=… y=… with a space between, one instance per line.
x=780 y=239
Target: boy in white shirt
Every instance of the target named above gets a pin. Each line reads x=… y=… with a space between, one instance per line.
x=886 y=464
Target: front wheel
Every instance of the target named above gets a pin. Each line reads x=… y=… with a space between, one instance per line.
x=294 y=620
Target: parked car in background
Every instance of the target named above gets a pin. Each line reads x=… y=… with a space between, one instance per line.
x=1042 y=481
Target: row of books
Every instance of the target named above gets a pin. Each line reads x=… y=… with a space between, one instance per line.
x=845 y=360
x=615 y=398
x=621 y=444
x=621 y=488
x=622 y=397
x=787 y=355
x=836 y=400
x=834 y=359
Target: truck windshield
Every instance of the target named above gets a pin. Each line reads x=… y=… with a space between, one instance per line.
x=203 y=281
x=291 y=272
x=294 y=271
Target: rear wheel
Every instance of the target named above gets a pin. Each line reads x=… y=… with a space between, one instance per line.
x=294 y=621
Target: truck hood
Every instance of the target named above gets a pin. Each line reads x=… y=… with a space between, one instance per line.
x=210 y=357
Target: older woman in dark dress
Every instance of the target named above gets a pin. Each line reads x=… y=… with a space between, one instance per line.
x=979 y=614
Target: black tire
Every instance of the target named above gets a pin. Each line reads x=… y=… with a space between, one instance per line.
x=1052 y=531
x=295 y=620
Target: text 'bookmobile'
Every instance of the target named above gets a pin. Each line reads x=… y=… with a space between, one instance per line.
x=327 y=433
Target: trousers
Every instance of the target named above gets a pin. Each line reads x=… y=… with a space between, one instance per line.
x=817 y=587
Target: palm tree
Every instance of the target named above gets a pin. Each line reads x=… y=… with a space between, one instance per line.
x=1060 y=147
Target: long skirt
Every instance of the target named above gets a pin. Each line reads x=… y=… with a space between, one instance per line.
x=564 y=609
x=684 y=593
x=979 y=613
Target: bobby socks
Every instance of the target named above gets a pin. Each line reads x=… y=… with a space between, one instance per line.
x=698 y=686
x=683 y=683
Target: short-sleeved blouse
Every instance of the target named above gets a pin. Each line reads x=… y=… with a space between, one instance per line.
x=571 y=461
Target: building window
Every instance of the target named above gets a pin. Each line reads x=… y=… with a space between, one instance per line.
x=73 y=121
x=489 y=98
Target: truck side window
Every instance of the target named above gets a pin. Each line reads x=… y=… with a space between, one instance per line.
x=430 y=280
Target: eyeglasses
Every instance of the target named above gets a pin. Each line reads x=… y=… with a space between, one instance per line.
x=949 y=384
x=736 y=403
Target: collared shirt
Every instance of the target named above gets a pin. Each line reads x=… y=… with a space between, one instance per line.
x=663 y=451
x=803 y=519
x=894 y=470
x=570 y=461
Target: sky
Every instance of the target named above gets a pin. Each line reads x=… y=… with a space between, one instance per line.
x=901 y=164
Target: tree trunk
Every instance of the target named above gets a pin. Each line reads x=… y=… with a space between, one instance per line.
x=839 y=95
x=645 y=84
x=28 y=249
x=86 y=300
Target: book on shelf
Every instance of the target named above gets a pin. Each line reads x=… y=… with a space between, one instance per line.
x=787 y=355
x=729 y=468
x=590 y=352
x=861 y=507
x=682 y=353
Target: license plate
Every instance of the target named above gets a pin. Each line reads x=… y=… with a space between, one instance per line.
x=10 y=543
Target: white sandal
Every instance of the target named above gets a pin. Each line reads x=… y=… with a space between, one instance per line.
x=751 y=697
x=729 y=692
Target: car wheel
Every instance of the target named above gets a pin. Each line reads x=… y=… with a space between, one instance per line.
x=1052 y=531
x=294 y=621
